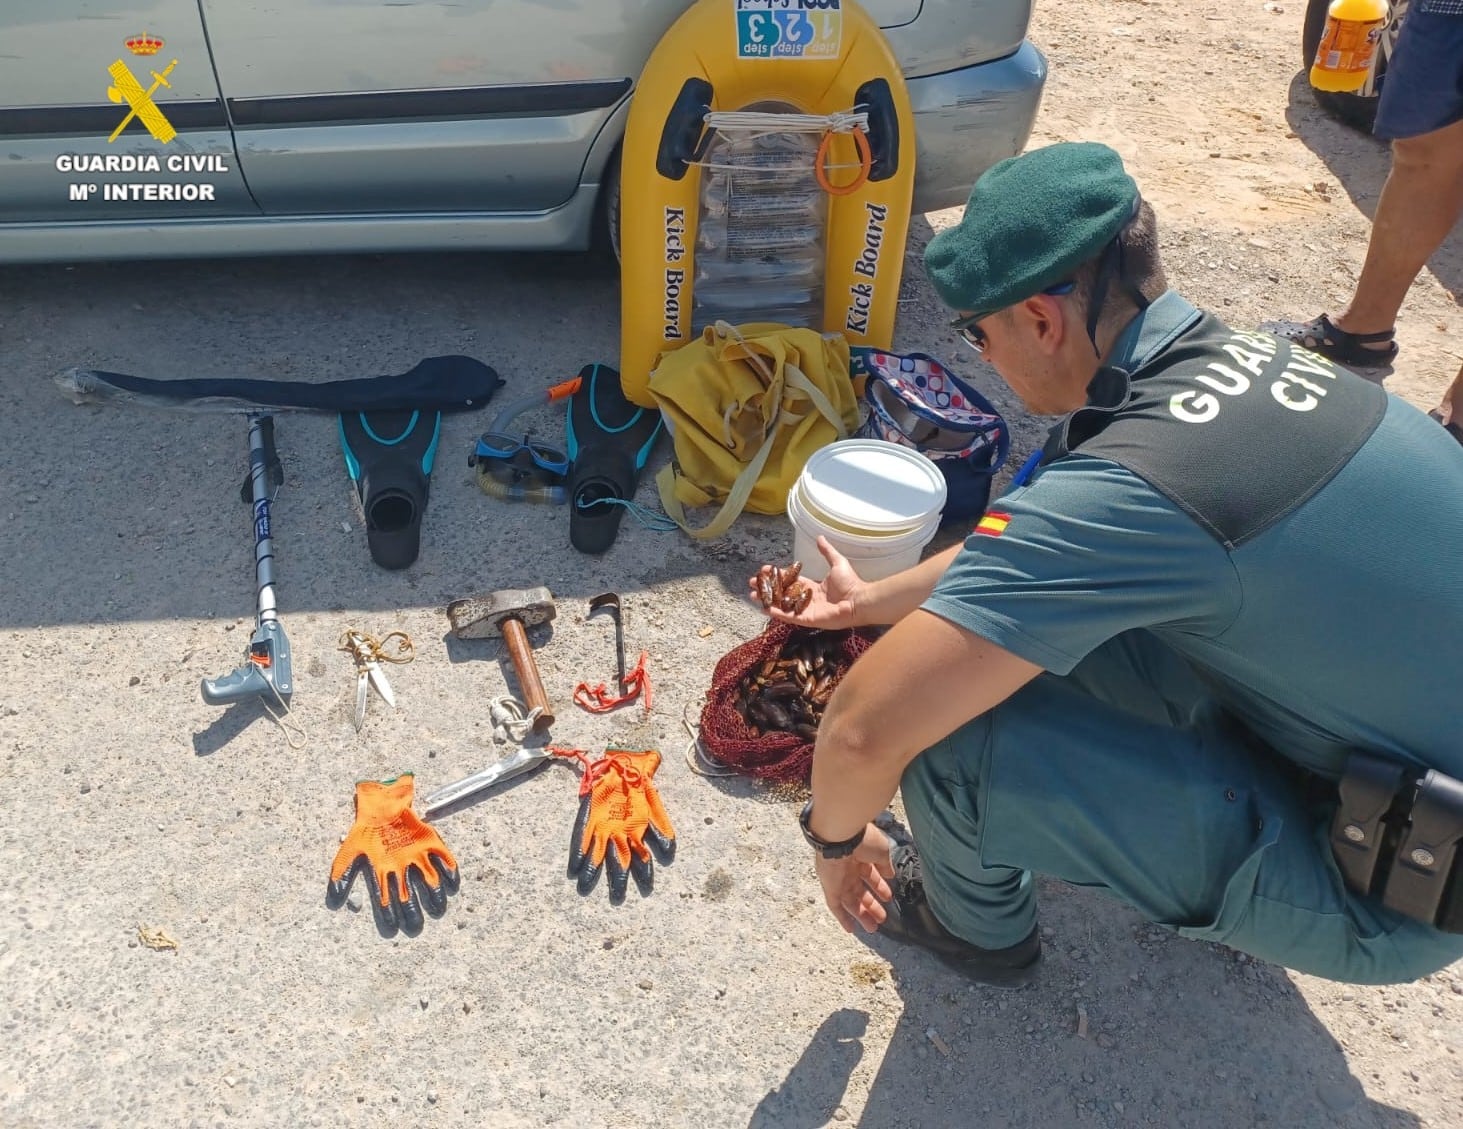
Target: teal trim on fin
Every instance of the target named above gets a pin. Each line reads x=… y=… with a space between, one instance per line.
x=389 y=457
x=609 y=441
x=600 y=409
x=402 y=436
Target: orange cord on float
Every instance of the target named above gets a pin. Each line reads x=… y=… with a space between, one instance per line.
x=866 y=161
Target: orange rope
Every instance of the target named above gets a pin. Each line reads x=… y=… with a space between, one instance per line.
x=598 y=699
x=592 y=770
x=569 y=754
x=866 y=161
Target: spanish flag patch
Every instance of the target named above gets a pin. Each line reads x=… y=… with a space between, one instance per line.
x=993 y=524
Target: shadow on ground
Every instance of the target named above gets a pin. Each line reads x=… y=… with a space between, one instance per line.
x=814 y=1087
x=1361 y=163
x=1090 y=1043
x=119 y=513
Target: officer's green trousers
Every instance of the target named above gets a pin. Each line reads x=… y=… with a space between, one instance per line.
x=1125 y=776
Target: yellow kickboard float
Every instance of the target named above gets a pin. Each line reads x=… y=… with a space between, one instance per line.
x=709 y=215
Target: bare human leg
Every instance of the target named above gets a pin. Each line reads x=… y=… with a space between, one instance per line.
x=1420 y=202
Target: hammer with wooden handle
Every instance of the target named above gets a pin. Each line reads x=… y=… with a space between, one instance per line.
x=510 y=612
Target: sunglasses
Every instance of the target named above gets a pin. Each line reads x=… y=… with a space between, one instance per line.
x=494 y=445
x=976 y=338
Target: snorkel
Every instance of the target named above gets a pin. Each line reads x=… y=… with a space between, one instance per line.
x=520 y=469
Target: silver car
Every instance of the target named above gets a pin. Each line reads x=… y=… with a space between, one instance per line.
x=171 y=128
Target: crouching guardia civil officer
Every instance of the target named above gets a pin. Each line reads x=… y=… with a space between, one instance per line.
x=1204 y=656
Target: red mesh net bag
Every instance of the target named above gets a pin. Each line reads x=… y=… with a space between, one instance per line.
x=766 y=697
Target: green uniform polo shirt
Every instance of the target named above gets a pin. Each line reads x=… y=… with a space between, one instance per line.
x=1311 y=577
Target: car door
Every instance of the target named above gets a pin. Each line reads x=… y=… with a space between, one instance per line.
x=110 y=111
x=345 y=106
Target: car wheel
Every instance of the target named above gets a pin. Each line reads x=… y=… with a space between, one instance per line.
x=1357 y=109
x=607 y=225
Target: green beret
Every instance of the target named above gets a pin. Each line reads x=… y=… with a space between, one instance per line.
x=1029 y=223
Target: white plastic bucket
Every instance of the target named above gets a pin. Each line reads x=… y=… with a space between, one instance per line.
x=878 y=503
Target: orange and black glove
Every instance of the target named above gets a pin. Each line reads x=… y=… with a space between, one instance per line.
x=619 y=812
x=405 y=862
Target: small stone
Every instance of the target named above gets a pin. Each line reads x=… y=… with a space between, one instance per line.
x=840 y=1114
x=423 y=1001
x=85 y=788
x=355 y=900
x=134 y=681
x=230 y=1080
x=431 y=1097
x=607 y=943
x=646 y=985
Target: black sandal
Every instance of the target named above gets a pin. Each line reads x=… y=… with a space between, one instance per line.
x=1323 y=336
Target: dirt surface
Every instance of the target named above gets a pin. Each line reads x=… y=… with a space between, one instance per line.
x=137 y=818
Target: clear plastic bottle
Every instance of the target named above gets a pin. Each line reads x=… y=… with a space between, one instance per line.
x=760 y=239
x=1348 y=44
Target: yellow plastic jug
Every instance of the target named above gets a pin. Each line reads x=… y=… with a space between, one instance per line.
x=1348 y=44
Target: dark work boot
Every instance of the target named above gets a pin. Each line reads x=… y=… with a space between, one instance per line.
x=911 y=921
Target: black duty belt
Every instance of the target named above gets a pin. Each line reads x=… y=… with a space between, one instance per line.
x=1395 y=836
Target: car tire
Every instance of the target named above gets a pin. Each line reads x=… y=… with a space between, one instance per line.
x=607 y=222
x=1358 y=109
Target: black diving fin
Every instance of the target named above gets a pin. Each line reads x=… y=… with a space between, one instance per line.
x=389 y=456
x=609 y=441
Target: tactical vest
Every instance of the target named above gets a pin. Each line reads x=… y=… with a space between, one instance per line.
x=1237 y=429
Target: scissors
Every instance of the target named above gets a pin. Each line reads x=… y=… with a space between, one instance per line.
x=369 y=653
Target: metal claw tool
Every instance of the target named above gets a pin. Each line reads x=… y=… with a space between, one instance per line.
x=515 y=764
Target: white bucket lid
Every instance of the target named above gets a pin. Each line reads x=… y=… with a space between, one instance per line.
x=873 y=484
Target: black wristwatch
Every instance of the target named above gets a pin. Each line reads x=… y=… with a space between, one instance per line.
x=822 y=846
